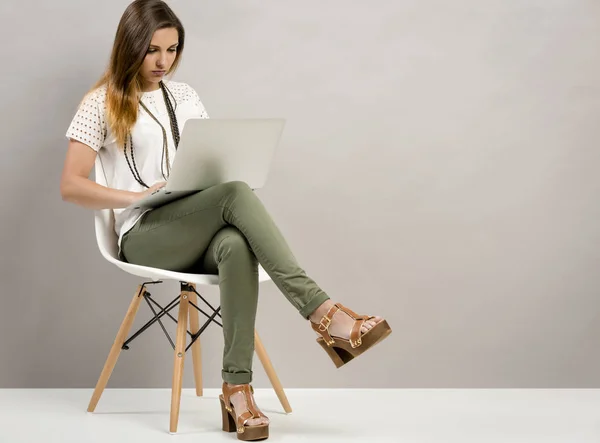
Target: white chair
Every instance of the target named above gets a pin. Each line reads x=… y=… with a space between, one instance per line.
x=107 y=243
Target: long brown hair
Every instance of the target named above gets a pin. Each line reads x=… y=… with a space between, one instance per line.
x=122 y=79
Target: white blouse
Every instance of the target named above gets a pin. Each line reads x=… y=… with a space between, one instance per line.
x=89 y=127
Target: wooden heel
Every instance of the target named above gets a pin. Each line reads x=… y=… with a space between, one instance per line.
x=228 y=420
x=337 y=360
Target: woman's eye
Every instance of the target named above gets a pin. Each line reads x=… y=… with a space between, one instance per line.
x=151 y=51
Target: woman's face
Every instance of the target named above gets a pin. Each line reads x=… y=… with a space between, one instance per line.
x=159 y=58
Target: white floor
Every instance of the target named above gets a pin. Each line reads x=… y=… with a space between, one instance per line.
x=378 y=416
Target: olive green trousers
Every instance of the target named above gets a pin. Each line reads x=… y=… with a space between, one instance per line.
x=224 y=230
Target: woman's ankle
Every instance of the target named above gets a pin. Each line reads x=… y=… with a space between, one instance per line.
x=228 y=385
x=321 y=310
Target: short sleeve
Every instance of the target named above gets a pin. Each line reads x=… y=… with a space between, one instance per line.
x=200 y=110
x=88 y=125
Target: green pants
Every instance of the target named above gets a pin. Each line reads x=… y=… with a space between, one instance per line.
x=224 y=230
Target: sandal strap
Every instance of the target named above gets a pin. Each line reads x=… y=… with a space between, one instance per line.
x=228 y=392
x=355 y=335
x=359 y=321
x=322 y=327
x=243 y=419
x=349 y=311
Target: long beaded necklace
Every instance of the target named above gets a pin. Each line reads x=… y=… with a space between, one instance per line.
x=165 y=151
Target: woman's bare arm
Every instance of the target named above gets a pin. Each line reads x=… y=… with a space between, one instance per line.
x=76 y=186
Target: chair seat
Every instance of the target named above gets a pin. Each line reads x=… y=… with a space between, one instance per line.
x=155 y=274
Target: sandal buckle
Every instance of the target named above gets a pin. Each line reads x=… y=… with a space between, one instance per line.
x=357 y=343
x=240 y=430
x=324 y=323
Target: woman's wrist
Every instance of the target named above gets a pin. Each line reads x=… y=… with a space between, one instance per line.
x=131 y=197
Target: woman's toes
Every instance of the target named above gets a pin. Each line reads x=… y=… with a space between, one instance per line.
x=258 y=421
x=370 y=324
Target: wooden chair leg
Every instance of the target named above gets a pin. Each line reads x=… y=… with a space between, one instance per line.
x=196 y=349
x=115 y=350
x=266 y=362
x=178 y=360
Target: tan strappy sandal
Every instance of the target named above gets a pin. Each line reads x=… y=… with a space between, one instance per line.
x=230 y=424
x=340 y=350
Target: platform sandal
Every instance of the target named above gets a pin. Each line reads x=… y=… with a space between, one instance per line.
x=341 y=350
x=230 y=424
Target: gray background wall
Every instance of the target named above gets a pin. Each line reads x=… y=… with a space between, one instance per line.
x=439 y=167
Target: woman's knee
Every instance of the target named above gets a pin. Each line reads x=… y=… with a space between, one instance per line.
x=235 y=187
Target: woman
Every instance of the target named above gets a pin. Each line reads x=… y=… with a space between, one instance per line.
x=132 y=119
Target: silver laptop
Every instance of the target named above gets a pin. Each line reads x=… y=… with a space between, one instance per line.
x=213 y=151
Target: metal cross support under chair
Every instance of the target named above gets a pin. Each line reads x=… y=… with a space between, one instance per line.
x=188 y=295
x=185 y=287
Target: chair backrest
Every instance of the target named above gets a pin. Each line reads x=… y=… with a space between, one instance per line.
x=105 y=222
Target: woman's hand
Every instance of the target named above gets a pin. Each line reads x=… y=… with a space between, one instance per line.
x=150 y=190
